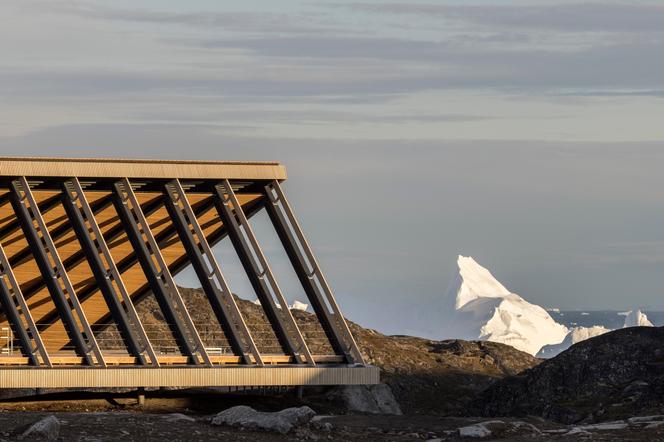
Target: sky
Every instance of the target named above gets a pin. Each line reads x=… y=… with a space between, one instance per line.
x=527 y=134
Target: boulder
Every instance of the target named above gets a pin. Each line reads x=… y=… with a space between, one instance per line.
x=370 y=399
x=498 y=428
x=47 y=428
x=281 y=421
x=178 y=417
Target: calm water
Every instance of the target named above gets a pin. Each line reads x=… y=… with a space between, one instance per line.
x=607 y=318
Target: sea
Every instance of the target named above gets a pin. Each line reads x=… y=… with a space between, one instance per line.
x=610 y=319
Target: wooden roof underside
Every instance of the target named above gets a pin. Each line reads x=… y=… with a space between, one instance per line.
x=30 y=279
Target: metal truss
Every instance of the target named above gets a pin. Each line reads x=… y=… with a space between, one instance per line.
x=309 y=273
x=54 y=273
x=106 y=272
x=57 y=263
x=209 y=274
x=157 y=273
x=19 y=315
x=260 y=275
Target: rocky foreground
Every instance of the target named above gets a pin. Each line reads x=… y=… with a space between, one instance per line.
x=615 y=375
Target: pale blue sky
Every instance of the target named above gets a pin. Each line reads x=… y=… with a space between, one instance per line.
x=525 y=133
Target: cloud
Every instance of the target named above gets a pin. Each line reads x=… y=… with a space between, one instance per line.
x=579 y=17
x=262 y=22
x=421 y=65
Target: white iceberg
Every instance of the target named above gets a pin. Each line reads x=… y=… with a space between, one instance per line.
x=477 y=306
x=296 y=305
x=577 y=334
x=636 y=318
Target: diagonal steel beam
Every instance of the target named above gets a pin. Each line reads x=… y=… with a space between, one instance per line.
x=157 y=273
x=310 y=274
x=126 y=263
x=14 y=225
x=181 y=263
x=77 y=257
x=60 y=231
x=54 y=273
x=212 y=280
x=106 y=273
x=260 y=275
x=25 y=329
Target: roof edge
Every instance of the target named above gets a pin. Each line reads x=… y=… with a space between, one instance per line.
x=140 y=168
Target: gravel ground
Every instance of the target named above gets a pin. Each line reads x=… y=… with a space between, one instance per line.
x=99 y=420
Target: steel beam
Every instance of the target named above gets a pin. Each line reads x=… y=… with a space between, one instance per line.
x=309 y=273
x=77 y=257
x=14 y=225
x=56 y=233
x=260 y=275
x=209 y=273
x=106 y=273
x=157 y=273
x=53 y=271
x=25 y=329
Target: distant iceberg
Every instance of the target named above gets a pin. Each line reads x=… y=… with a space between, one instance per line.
x=477 y=306
x=636 y=318
x=577 y=334
x=297 y=305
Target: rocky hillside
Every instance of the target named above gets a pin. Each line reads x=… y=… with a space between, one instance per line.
x=439 y=377
x=618 y=374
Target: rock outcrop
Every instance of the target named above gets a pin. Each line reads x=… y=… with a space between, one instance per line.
x=617 y=374
x=47 y=428
x=370 y=399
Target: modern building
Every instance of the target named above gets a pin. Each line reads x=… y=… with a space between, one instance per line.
x=83 y=241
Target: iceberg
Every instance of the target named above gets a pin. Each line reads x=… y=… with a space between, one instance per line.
x=297 y=305
x=477 y=306
x=636 y=318
x=576 y=334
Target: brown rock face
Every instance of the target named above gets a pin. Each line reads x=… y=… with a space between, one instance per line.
x=439 y=377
